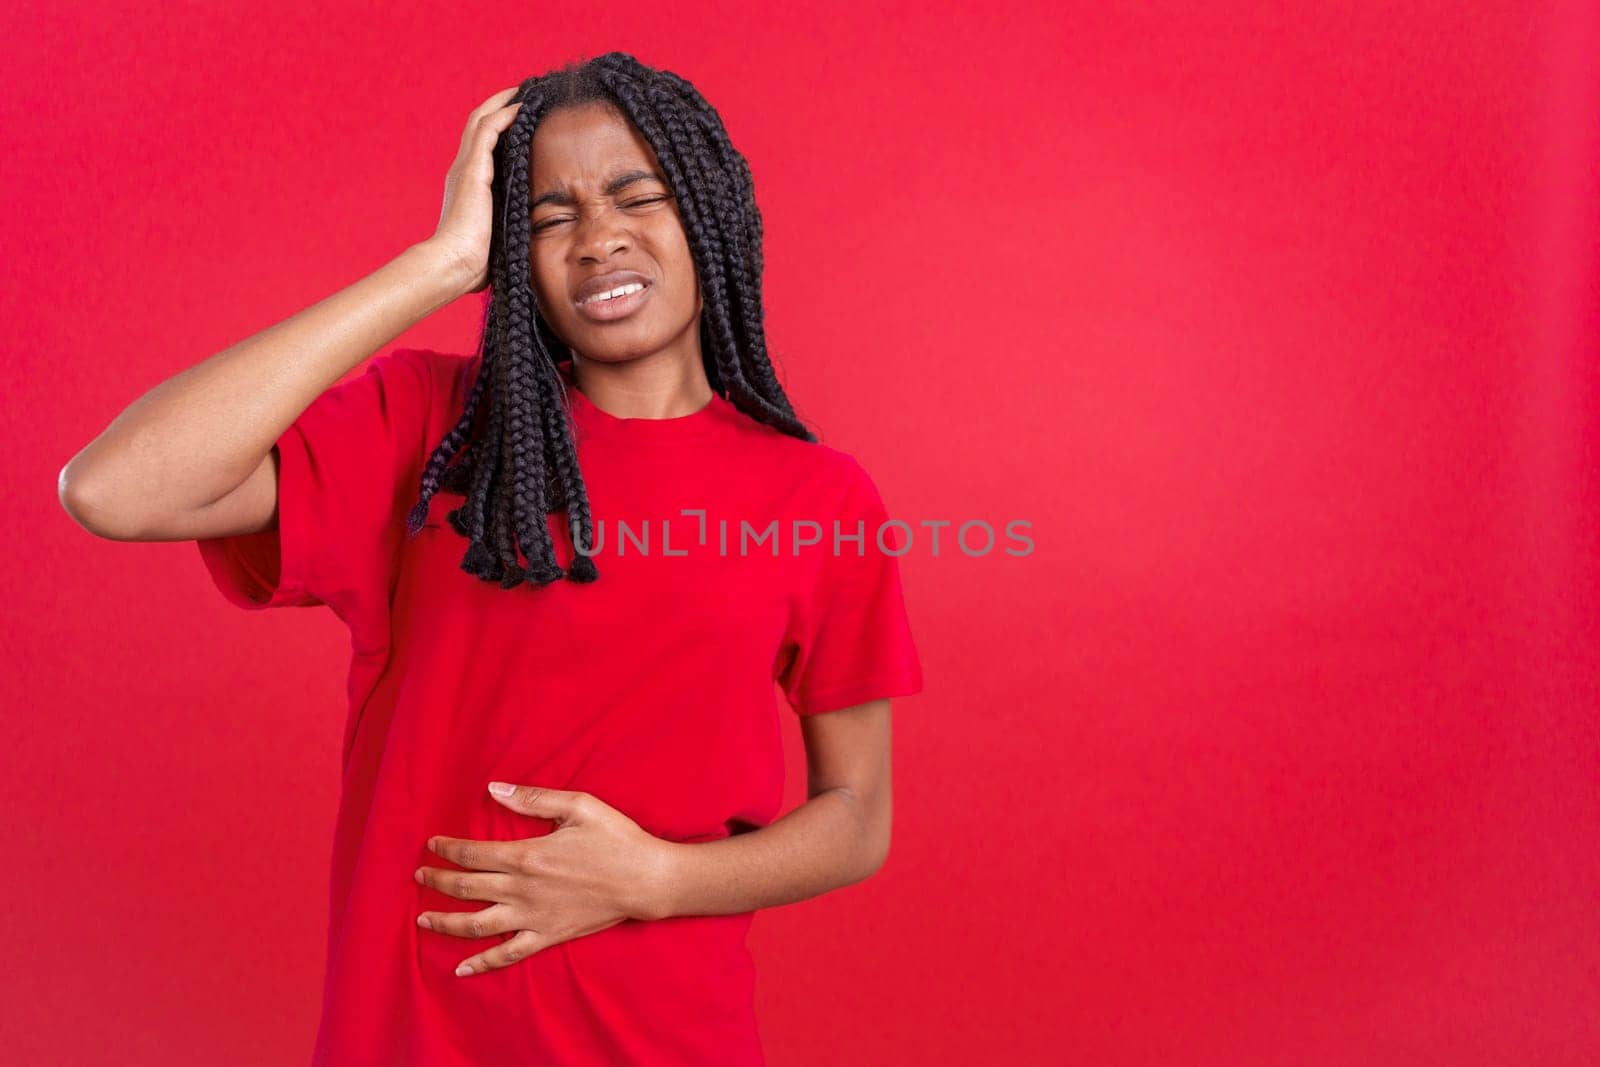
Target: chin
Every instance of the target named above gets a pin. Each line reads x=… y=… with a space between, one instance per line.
x=618 y=352
x=617 y=346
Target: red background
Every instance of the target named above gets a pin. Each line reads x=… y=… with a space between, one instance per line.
x=1277 y=322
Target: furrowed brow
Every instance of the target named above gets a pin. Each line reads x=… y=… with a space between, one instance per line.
x=563 y=197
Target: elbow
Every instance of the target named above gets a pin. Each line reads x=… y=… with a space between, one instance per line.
x=870 y=860
x=90 y=507
x=876 y=830
x=868 y=833
x=878 y=854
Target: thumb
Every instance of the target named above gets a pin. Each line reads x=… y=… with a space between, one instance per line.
x=557 y=804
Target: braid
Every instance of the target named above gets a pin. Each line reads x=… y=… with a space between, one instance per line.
x=745 y=231
x=512 y=452
x=434 y=474
x=708 y=208
x=568 y=490
x=468 y=519
x=525 y=397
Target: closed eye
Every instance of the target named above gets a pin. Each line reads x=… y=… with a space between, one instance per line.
x=642 y=202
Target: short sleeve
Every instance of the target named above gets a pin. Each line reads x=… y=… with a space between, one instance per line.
x=344 y=467
x=850 y=640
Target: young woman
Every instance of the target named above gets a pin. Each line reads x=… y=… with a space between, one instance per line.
x=576 y=562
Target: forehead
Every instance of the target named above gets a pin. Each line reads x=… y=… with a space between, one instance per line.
x=584 y=145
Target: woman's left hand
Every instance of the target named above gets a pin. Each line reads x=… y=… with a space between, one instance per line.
x=595 y=869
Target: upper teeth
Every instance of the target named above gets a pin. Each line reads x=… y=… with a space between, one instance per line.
x=623 y=290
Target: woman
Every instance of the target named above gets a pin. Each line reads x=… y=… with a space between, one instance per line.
x=638 y=540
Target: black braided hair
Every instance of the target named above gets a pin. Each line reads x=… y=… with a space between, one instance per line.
x=512 y=453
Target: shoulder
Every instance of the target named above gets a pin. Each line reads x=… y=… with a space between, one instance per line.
x=425 y=385
x=823 y=476
x=841 y=472
x=425 y=370
x=401 y=401
x=811 y=465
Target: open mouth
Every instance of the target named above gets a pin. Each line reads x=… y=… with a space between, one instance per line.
x=615 y=303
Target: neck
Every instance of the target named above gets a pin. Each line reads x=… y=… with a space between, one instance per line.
x=644 y=388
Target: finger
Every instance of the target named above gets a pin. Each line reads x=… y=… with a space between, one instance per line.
x=487 y=109
x=561 y=806
x=491 y=126
x=478 y=855
x=467 y=885
x=495 y=102
x=510 y=951
x=483 y=132
x=494 y=920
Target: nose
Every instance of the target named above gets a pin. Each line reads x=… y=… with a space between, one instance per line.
x=601 y=234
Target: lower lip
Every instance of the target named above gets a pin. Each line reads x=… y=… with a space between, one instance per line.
x=616 y=308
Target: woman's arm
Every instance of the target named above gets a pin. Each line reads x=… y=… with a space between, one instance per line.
x=839 y=836
x=192 y=457
x=154 y=473
x=599 y=868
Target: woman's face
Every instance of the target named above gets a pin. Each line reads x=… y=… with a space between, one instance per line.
x=601 y=205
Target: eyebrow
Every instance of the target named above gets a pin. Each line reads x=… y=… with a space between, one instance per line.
x=563 y=196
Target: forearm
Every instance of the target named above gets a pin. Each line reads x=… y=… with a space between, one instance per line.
x=196 y=436
x=830 y=841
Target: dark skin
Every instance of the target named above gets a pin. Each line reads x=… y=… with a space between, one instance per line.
x=598 y=867
x=648 y=364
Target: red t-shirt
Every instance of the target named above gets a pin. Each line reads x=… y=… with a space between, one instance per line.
x=654 y=688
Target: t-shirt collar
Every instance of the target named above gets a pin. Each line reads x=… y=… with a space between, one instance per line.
x=587 y=414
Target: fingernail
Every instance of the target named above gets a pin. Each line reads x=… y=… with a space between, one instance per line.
x=418 y=874
x=422 y=921
x=463 y=970
x=502 y=789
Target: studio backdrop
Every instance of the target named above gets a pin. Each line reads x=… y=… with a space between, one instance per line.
x=1266 y=733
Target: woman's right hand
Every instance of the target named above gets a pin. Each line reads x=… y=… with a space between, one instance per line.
x=467 y=219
